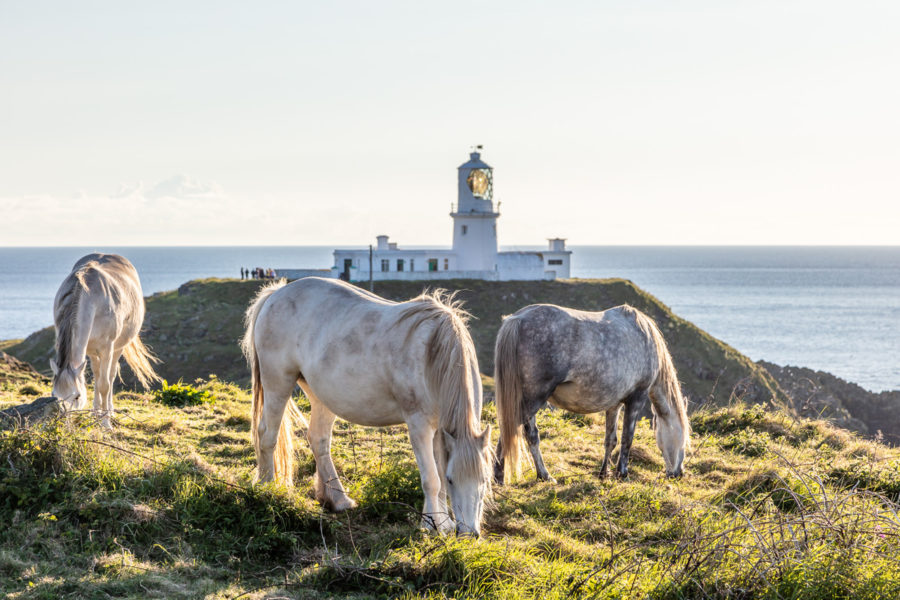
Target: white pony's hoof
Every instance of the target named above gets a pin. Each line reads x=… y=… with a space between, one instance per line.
x=341 y=504
x=445 y=527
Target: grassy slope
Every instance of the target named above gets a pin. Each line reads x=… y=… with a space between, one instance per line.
x=195 y=330
x=771 y=506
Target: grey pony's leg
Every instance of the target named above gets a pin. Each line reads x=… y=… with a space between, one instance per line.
x=610 y=441
x=498 y=464
x=633 y=407
x=534 y=441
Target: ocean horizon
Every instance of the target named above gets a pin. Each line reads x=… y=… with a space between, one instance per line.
x=830 y=308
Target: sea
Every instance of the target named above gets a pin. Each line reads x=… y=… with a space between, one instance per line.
x=835 y=309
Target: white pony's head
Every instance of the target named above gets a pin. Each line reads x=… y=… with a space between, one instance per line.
x=469 y=464
x=69 y=386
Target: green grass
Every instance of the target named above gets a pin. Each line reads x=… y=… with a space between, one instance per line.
x=163 y=506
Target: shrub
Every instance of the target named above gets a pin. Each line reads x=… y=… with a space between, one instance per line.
x=181 y=394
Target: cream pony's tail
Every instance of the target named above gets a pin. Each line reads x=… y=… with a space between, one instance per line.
x=140 y=359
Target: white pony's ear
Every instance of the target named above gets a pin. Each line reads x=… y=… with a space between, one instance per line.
x=449 y=440
x=77 y=370
x=54 y=367
x=485 y=438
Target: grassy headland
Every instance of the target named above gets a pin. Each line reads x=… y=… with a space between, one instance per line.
x=195 y=331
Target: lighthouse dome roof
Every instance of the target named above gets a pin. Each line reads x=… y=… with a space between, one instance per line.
x=475 y=162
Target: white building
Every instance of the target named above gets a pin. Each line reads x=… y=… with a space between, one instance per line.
x=474 y=253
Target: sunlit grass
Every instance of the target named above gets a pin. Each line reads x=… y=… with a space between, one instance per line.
x=164 y=506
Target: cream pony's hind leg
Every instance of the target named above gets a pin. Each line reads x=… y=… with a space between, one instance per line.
x=103 y=385
x=329 y=490
x=434 y=514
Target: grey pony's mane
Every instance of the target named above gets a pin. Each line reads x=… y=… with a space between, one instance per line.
x=450 y=353
x=667 y=378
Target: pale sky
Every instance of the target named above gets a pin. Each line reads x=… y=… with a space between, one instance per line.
x=317 y=123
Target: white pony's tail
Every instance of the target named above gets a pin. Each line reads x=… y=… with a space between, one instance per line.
x=284 y=447
x=508 y=396
x=140 y=359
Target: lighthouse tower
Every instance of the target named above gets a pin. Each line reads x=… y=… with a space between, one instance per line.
x=474 y=218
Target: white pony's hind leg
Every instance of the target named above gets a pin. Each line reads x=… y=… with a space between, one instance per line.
x=276 y=394
x=329 y=490
x=434 y=514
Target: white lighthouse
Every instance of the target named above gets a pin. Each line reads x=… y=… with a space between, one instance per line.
x=474 y=217
x=474 y=253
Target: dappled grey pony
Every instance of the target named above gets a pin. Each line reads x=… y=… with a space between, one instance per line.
x=98 y=313
x=377 y=363
x=585 y=362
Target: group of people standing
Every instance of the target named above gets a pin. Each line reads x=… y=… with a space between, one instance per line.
x=257 y=273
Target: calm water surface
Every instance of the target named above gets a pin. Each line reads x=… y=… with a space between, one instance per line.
x=831 y=308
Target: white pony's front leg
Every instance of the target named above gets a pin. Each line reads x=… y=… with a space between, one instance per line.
x=98 y=399
x=108 y=408
x=434 y=514
x=440 y=458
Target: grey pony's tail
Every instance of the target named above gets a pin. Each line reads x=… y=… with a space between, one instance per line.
x=284 y=446
x=507 y=379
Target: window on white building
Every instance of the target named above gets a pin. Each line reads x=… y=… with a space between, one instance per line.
x=554 y=261
x=446 y=264
x=465 y=229
x=385 y=265
x=412 y=264
x=399 y=264
x=432 y=264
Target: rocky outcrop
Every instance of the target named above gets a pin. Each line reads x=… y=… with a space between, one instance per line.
x=13 y=370
x=818 y=394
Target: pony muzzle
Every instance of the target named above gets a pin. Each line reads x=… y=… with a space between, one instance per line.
x=464 y=531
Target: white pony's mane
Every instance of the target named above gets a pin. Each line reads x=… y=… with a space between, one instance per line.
x=450 y=354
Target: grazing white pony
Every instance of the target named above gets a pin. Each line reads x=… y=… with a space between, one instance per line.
x=586 y=362
x=372 y=362
x=98 y=313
